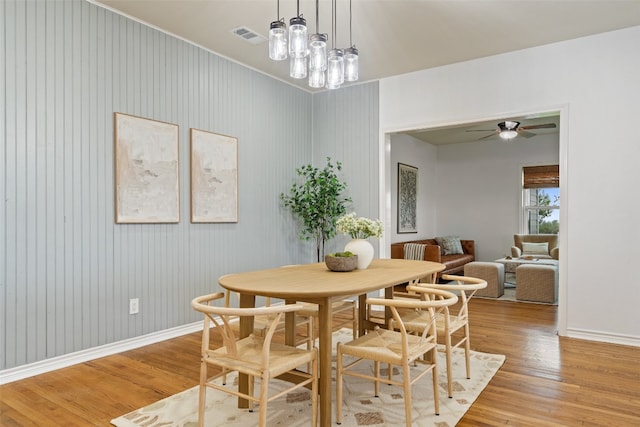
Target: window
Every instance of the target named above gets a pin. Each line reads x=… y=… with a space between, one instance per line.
x=541 y=199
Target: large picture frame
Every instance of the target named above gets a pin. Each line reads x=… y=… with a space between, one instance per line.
x=147 y=178
x=407 y=198
x=214 y=177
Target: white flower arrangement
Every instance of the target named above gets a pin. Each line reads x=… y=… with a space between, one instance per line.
x=359 y=228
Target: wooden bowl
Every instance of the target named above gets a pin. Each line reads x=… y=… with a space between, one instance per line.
x=336 y=263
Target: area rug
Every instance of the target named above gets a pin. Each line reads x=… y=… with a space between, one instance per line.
x=360 y=407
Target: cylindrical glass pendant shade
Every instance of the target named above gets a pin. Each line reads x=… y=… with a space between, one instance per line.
x=318 y=52
x=297 y=36
x=335 y=68
x=316 y=78
x=351 y=64
x=298 y=67
x=278 y=45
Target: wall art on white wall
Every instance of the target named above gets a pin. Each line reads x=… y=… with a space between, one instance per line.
x=407 y=198
x=214 y=177
x=146 y=170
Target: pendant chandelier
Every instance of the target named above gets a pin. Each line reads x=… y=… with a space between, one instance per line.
x=308 y=55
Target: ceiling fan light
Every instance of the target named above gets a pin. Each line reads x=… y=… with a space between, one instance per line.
x=298 y=36
x=278 y=41
x=318 y=52
x=351 y=64
x=508 y=134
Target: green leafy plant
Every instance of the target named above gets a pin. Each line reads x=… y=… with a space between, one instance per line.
x=317 y=202
x=346 y=254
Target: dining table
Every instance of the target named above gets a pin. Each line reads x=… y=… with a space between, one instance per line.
x=315 y=283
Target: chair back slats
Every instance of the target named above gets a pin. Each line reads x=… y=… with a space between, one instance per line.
x=223 y=317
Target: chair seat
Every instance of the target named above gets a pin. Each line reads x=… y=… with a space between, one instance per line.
x=282 y=358
x=414 y=321
x=386 y=346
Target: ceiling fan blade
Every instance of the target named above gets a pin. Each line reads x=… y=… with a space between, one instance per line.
x=481 y=130
x=542 y=126
x=526 y=134
x=488 y=136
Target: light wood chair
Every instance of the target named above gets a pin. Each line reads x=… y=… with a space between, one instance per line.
x=261 y=323
x=447 y=322
x=311 y=311
x=255 y=356
x=396 y=348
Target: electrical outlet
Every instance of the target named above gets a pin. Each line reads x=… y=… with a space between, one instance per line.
x=133 y=306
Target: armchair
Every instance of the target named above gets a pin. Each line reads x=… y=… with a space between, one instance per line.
x=534 y=245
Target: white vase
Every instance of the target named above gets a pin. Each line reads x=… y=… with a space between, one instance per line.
x=364 y=249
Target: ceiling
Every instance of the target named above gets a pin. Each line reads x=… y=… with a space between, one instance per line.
x=393 y=36
x=488 y=130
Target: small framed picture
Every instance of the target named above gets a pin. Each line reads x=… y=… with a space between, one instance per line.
x=147 y=178
x=214 y=177
x=407 y=198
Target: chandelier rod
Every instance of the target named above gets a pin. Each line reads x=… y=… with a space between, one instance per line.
x=350 y=21
x=333 y=24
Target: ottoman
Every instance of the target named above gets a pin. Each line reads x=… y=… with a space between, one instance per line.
x=492 y=272
x=537 y=283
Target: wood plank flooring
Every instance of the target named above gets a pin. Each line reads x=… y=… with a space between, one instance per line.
x=545 y=381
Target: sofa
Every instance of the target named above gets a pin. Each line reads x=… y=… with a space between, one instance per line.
x=543 y=246
x=454 y=264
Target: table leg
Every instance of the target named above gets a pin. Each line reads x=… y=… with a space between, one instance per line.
x=290 y=326
x=246 y=327
x=363 y=319
x=325 y=349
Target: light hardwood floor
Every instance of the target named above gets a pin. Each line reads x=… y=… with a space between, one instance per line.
x=545 y=381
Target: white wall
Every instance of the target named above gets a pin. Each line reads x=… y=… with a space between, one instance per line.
x=594 y=82
x=411 y=151
x=479 y=191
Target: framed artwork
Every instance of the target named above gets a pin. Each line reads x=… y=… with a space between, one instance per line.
x=146 y=170
x=407 y=198
x=214 y=177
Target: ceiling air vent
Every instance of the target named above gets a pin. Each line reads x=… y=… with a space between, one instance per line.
x=249 y=35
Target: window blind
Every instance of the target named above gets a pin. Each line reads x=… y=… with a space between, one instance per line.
x=541 y=176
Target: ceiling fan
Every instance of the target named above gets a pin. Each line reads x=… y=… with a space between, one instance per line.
x=510 y=129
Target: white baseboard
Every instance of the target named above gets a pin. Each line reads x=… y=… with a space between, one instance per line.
x=47 y=365
x=605 y=338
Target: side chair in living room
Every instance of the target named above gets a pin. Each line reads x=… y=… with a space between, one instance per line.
x=396 y=348
x=255 y=356
x=447 y=322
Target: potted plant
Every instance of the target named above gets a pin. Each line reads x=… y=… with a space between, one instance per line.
x=341 y=261
x=317 y=202
x=360 y=229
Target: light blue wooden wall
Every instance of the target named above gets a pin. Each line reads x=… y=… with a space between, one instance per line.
x=67 y=271
x=346 y=123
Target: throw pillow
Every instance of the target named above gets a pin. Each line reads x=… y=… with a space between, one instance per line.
x=535 y=248
x=450 y=245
